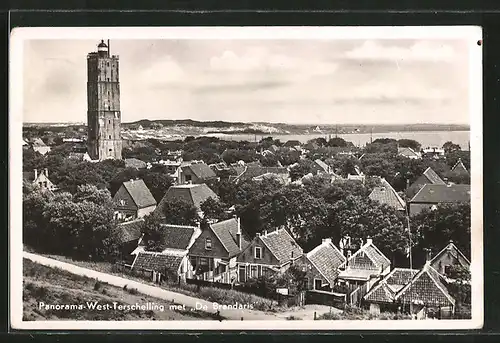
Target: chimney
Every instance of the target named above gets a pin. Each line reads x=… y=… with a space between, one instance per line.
x=46 y=172
x=36 y=173
x=427 y=255
x=238 y=233
x=369 y=240
x=265 y=232
x=326 y=240
x=257 y=234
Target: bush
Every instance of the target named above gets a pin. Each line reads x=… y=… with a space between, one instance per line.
x=132 y=291
x=97 y=286
x=293 y=318
x=356 y=313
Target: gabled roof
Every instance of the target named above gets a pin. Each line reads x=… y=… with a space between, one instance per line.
x=436 y=194
x=157 y=262
x=327 y=258
x=129 y=231
x=432 y=177
x=282 y=246
x=38 y=142
x=292 y=143
x=322 y=165
x=283 y=178
x=194 y=194
x=177 y=236
x=453 y=248
x=140 y=193
x=407 y=152
x=426 y=287
x=251 y=172
x=201 y=170
x=386 y=290
x=134 y=163
x=385 y=194
x=226 y=233
x=369 y=250
x=459 y=167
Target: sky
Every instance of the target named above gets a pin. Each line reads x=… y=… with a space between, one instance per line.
x=290 y=81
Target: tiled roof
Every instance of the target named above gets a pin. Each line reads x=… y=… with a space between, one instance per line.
x=157 y=262
x=459 y=167
x=432 y=177
x=327 y=258
x=358 y=274
x=368 y=252
x=194 y=194
x=256 y=171
x=226 y=232
x=450 y=247
x=322 y=165
x=387 y=195
x=140 y=193
x=442 y=194
x=282 y=245
x=408 y=152
x=135 y=163
x=425 y=288
x=201 y=170
x=129 y=231
x=177 y=236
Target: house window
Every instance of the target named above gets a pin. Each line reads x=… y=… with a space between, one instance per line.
x=109 y=121
x=208 y=244
x=447 y=270
x=254 y=272
x=122 y=202
x=204 y=261
x=109 y=137
x=40 y=184
x=110 y=150
x=188 y=177
x=258 y=253
x=317 y=284
x=45 y=184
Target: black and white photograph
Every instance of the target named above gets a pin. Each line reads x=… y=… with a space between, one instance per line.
x=295 y=178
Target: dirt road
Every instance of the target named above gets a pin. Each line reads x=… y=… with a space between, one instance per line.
x=306 y=313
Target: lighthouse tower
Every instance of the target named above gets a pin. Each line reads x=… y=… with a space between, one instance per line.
x=103 y=104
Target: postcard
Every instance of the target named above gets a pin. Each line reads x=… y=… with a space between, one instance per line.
x=246 y=178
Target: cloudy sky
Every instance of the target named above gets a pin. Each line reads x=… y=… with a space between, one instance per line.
x=292 y=81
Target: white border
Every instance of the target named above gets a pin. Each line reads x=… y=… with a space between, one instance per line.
x=469 y=33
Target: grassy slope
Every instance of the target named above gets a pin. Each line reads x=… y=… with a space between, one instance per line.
x=55 y=286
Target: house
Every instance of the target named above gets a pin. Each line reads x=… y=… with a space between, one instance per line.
x=382 y=295
x=292 y=144
x=459 y=168
x=195 y=173
x=128 y=235
x=426 y=292
x=133 y=200
x=272 y=252
x=429 y=177
x=387 y=195
x=195 y=194
x=256 y=172
x=135 y=163
x=39 y=146
x=80 y=156
x=173 y=261
x=324 y=168
x=447 y=257
x=214 y=253
x=431 y=196
x=409 y=153
x=433 y=152
x=40 y=179
x=365 y=266
x=25 y=144
x=321 y=266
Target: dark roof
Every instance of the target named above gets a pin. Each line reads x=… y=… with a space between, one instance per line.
x=292 y=143
x=451 y=247
x=157 y=262
x=370 y=251
x=442 y=194
x=226 y=232
x=194 y=194
x=282 y=245
x=135 y=163
x=459 y=168
x=386 y=290
x=201 y=170
x=327 y=258
x=129 y=231
x=432 y=177
x=102 y=44
x=427 y=288
x=140 y=193
x=177 y=236
x=385 y=194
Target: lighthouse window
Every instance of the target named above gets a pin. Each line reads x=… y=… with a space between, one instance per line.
x=109 y=121
x=110 y=149
x=109 y=138
x=108 y=64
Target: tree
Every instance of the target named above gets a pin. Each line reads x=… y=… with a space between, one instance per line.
x=338 y=142
x=32 y=160
x=409 y=143
x=153 y=232
x=179 y=212
x=450 y=147
x=158 y=183
x=214 y=210
x=303 y=167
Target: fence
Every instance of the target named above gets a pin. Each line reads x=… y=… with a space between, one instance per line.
x=336 y=300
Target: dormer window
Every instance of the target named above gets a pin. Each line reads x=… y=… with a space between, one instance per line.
x=122 y=202
x=258 y=253
x=208 y=244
